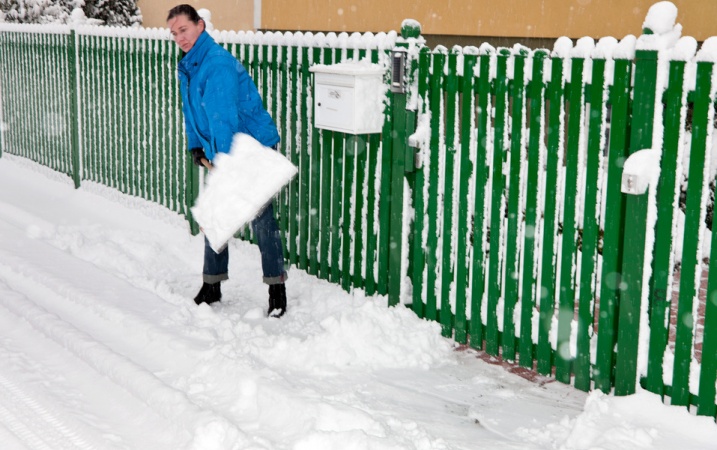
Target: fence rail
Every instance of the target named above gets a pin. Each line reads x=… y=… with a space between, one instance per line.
x=505 y=219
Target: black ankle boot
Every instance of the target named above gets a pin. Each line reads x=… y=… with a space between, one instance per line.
x=277 y=300
x=209 y=293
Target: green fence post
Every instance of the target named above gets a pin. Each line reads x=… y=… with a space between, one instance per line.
x=635 y=228
x=72 y=58
x=399 y=144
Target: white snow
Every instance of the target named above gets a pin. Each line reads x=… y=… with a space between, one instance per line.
x=102 y=347
x=661 y=18
x=241 y=183
x=641 y=170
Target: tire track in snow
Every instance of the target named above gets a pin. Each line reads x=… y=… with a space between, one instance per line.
x=9 y=440
x=23 y=413
x=208 y=428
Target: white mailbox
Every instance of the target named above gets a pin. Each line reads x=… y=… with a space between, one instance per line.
x=349 y=97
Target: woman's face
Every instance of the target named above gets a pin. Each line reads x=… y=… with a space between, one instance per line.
x=184 y=31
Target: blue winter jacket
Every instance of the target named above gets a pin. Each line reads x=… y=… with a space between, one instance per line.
x=219 y=99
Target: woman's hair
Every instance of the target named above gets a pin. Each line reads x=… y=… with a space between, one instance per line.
x=187 y=10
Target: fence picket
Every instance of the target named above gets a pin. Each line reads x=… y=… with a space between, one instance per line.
x=515 y=217
x=531 y=245
x=497 y=210
x=694 y=227
x=661 y=282
x=435 y=104
x=449 y=179
x=419 y=190
x=591 y=227
x=464 y=184
x=568 y=245
x=619 y=102
x=480 y=218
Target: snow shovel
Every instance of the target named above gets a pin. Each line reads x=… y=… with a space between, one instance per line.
x=239 y=185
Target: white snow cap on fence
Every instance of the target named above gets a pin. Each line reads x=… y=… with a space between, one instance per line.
x=562 y=47
x=641 y=170
x=660 y=20
x=684 y=50
x=626 y=48
x=605 y=48
x=708 y=51
x=583 y=48
x=411 y=23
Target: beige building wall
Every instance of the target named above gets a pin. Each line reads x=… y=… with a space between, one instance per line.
x=500 y=18
x=226 y=14
x=524 y=18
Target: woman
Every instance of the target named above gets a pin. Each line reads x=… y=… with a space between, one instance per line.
x=219 y=99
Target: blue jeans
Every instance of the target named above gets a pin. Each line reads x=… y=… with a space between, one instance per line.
x=266 y=232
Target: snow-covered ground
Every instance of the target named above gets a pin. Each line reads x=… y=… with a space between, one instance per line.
x=102 y=347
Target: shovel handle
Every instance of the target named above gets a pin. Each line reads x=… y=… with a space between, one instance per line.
x=207 y=164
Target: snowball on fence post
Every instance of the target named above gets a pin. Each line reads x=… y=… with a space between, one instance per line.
x=641 y=169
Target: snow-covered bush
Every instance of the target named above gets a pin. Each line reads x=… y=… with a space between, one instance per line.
x=107 y=12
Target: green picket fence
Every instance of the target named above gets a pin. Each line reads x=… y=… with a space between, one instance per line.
x=491 y=202
x=523 y=243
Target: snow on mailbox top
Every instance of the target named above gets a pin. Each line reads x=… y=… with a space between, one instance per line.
x=349 y=97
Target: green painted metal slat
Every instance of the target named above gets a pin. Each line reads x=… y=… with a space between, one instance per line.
x=694 y=222
x=480 y=218
x=337 y=199
x=536 y=89
x=371 y=221
x=500 y=153
x=448 y=263
x=466 y=172
x=299 y=132
x=512 y=250
x=566 y=298
x=591 y=227
x=431 y=246
x=619 y=102
x=419 y=194
x=708 y=372
x=314 y=208
x=548 y=259
x=661 y=281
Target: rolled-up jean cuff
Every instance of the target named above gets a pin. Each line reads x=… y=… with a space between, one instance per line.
x=276 y=280
x=211 y=279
